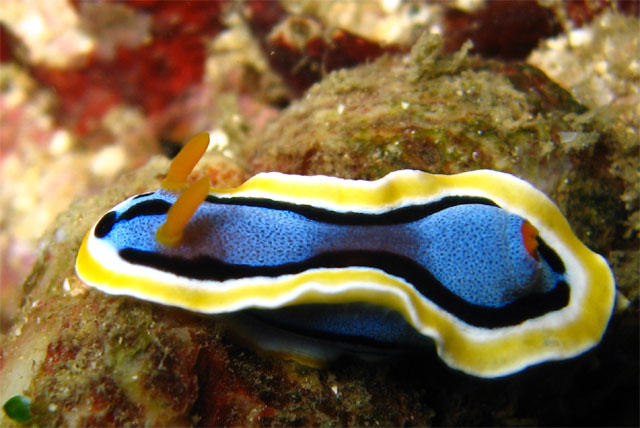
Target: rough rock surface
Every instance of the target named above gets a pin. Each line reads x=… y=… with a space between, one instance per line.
x=86 y=358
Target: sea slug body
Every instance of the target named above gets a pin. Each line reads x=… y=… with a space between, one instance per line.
x=481 y=263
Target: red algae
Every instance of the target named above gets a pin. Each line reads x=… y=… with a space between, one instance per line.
x=302 y=50
x=151 y=76
x=511 y=29
x=507 y=29
x=582 y=12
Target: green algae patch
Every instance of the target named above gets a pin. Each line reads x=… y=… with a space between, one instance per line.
x=18 y=408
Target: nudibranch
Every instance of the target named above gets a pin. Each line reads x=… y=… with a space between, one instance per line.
x=481 y=263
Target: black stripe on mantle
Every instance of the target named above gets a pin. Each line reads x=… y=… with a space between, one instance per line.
x=522 y=309
x=405 y=214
